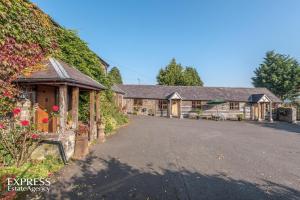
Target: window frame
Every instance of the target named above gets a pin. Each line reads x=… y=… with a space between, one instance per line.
x=137 y=102
x=233 y=105
x=162 y=104
x=196 y=104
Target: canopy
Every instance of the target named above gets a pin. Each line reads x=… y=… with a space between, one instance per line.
x=58 y=72
x=216 y=101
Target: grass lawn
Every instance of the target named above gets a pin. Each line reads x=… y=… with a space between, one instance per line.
x=34 y=169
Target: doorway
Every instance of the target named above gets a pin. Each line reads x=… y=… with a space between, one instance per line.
x=175 y=105
x=46 y=98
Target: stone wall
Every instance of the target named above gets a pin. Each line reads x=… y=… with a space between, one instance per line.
x=118 y=98
x=51 y=149
x=45 y=150
x=149 y=107
x=128 y=104
x=186 y=108
x=68 y=141
x=287 y=114
x=25 y=109
x=244 y=108
x=93 y=133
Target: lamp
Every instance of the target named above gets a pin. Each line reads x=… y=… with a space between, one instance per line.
x=22 y=97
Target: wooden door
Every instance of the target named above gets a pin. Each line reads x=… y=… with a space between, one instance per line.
x=263 y=111
x=46 y=98
x=174 y=108
x=256 y=112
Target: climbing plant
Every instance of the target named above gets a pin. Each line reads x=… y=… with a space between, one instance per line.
x=28 y=36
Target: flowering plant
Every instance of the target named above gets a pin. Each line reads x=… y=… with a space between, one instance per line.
x=4 y=193
x=19 y=138
x=55 y=108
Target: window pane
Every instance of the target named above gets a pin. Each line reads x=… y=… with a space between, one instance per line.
x=162 y=104
x=196 y=104
x=234 y=106
x=138 y=102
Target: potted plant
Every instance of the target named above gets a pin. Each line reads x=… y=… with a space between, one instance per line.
x=199 y=113
x=240 y=117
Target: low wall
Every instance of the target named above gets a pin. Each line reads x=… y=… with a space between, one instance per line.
x=68 y=141
x=287 y=114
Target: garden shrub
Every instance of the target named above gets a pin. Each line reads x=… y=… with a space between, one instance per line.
x=19 y=137
x=5 y=157
x=110 y=113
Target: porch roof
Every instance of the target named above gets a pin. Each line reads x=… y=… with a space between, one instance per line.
x=58 y=72
x=256 y=98
x=174 y=95
x=195 y=92
x=116 y=89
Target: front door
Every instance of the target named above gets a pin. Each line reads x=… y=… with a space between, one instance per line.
x=175 y=108
x=46 y=98
x=256 y=112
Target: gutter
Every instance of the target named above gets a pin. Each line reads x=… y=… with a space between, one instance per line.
x=59 y=81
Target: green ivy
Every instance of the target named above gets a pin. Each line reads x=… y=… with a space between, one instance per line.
x=26 y=23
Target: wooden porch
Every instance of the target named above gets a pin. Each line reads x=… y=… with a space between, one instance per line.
x=67 y=99
x=261 y=108
x=54 y=94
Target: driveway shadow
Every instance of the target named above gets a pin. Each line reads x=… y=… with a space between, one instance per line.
x=121 y=181
x=284 y=126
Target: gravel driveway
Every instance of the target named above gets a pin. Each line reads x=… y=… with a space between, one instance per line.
x=159 y=158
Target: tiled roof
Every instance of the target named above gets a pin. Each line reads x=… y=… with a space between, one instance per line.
x=116 y=89
x=256 y=97
x=194 y=92
x=57 y=71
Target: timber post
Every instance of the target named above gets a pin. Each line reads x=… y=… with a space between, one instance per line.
x=62 y=108
x=92 y=116
x=170 y=108
x=179 y=109
x=75 y=104
x=252 y=112
x=259 y=111
x=271 y=113
x=100 y=126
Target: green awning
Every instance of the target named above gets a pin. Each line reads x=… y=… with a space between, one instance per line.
x=216 y=101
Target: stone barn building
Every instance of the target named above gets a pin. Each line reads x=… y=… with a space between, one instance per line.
x=182 y=101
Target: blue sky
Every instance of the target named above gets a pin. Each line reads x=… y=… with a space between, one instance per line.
x=224 y=40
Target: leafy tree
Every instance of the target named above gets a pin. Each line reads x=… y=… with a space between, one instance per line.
x=280 y=74
x=171 y=75
x=191 y=77
x=175 y=74
x=115 y=75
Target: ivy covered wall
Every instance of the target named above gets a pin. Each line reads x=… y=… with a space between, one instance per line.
x=28 y=35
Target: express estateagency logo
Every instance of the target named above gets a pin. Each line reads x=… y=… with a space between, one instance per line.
x=27 y=184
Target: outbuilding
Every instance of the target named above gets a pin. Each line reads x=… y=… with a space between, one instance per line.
x=181 y=101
